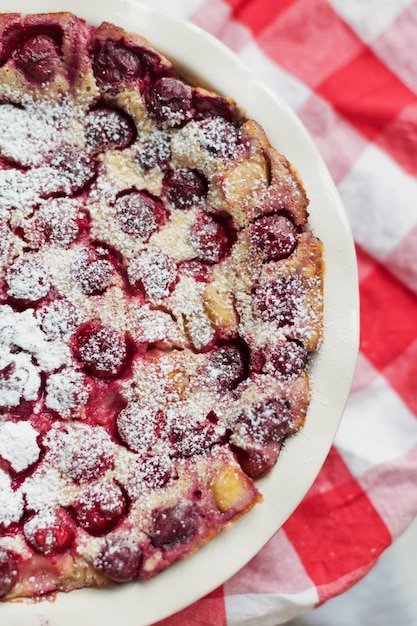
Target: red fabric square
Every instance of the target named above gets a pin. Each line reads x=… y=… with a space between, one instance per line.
x=388 y=317
x=257 y=15
x=402 y=376
x=208 y=610
x=336 y=531
x=402 y=261
x=367 y=93
x=310 y=41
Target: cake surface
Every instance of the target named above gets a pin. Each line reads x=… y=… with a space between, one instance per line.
x=160 y=297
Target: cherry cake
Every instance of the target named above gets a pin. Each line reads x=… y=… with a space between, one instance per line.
x=160 y=299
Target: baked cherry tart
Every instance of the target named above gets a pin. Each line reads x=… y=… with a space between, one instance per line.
x=161 y=296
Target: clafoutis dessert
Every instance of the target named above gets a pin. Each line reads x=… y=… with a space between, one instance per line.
x=160 y=296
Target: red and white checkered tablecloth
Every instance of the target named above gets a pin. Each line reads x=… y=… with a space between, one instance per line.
x=349 y=70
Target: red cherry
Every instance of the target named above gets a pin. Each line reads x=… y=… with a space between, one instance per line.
x=93 y=270
x=169 y=101
x=115 y=63
x=286 y=358
x=61 y=220
x=173 y=525
x=73 y=170
x=188 y=441
x=277 y=301
x=218 y=137
x=104 y=404
x=275 y=236
x=101 y=349
x=83 y=453
x=266 y=421
x=50 y=531
x=99 y=509
x=257 y=463
x=109 y=129
x=137 y=425
x=27 y=279
x=209 y=238
x=210 y=106
x=119 y=559
x=139 y=214
x=154 y=151
x=8 y=571
x=152 y=472
x=226 y=367
x=184 y=187
x=38 y=58
x=155 y=272
x=59 y=318
x=201 y=272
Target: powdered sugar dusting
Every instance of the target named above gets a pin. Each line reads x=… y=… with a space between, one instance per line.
x=59 y=319
x=18 y=444
x=27 y=279
x=25 y=353
x=66 y=390
x=11 y=508
x=155 y=271
x=81 y=453
x=137 y=425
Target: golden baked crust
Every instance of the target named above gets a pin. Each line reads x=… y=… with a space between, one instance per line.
x=160 y=296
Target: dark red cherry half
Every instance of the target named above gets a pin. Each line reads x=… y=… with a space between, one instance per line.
x=173 y=525
x=277 y=301
x=100 y=508
x=93 y=269
x=108 y=129
x=169 y=101
x=119 y=559
x=275 y=236
x=184 y=187
x=218 y=137
x=49 y=532
x=115 y=63
x=74 y=170
x=154 y=151
x=210 y=238
x=226 y=367
x=38 y=58
x=209 y=105
x=102 y=350
x=139 y=214
x=154 y=272
x=256 y=463
x=266 y=421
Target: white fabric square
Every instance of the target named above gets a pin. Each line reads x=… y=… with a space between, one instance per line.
x=379 y=198
x=212 y=16
x=235 y=35
x=179 y=8
x=369 y=18
x=397 y=47
x=268 y=609
x=376 y=428
x=282 y=592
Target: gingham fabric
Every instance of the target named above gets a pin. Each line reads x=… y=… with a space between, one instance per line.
x=349 y=70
